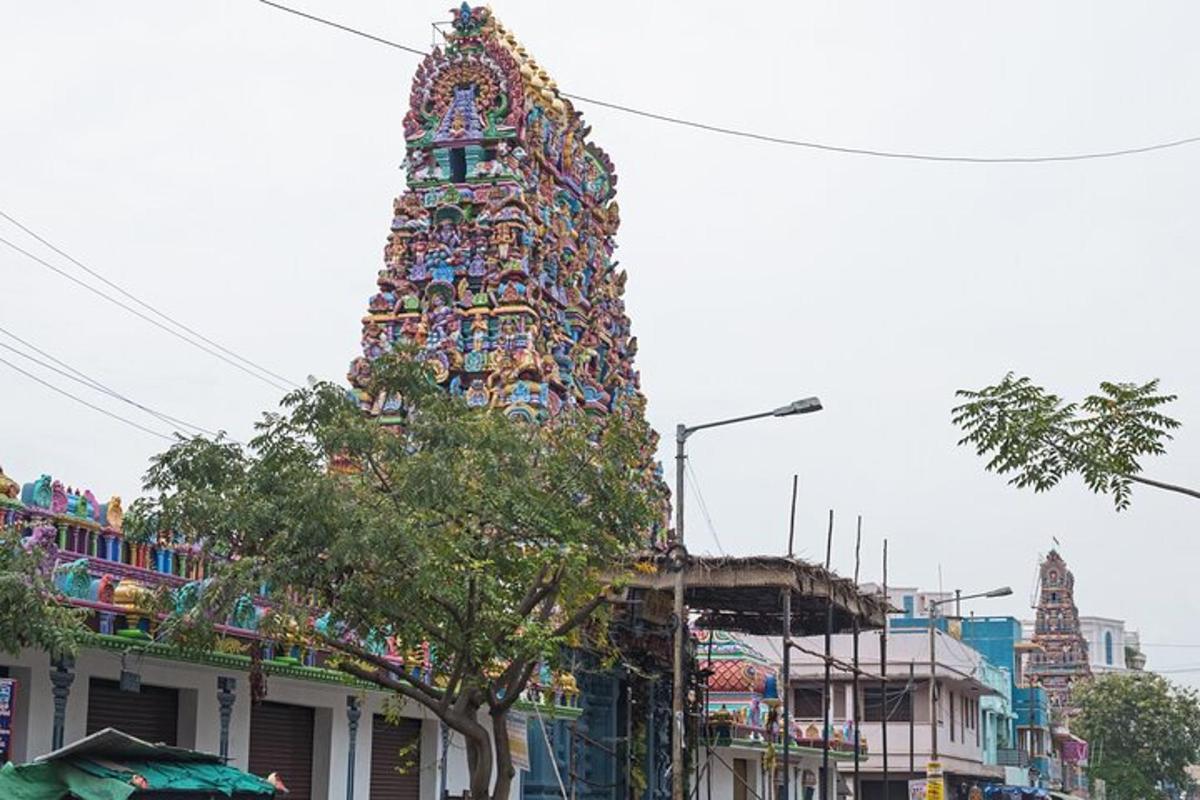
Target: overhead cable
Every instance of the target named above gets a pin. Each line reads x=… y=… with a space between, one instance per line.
x=783 y=140
x=92 y=406
x=215 y=353
x=71 y=373
x=143 y=303
x=694 y=480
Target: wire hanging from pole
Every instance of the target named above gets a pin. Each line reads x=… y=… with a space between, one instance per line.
x=783 y=140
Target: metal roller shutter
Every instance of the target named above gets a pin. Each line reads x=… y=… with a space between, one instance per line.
x=281 y=740
x=389 y=753
x=151 y=714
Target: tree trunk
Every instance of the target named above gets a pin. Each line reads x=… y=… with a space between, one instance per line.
x=479 y=749
x=505 y=771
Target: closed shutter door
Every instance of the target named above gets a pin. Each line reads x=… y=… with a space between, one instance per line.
x=151 y=714
x=281 y=740
x=395 y=759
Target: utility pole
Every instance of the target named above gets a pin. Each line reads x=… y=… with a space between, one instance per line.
x=826 y=695
x=678 y=728
x=883 y=662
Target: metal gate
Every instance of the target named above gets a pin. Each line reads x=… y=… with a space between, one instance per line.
x=281 y=741
x=151 y=714
x=395 y=759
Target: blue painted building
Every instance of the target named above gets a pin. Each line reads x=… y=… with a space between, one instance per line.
x=1025 y=746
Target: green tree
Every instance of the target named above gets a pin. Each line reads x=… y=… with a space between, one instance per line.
x=1143 y=732
x=1041 y=439
x=486 y=538
x=33 y=613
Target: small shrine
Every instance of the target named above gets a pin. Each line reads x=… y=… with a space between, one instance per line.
x=742 y=685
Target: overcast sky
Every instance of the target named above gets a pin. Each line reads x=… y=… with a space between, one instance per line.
x=235 y=166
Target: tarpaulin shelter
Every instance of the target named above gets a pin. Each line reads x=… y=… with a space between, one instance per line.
x=997 y=792
x=110 y=765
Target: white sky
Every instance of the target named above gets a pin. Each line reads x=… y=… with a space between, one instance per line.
x=236 y=165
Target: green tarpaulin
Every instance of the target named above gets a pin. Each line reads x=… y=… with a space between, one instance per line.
x=103 y=779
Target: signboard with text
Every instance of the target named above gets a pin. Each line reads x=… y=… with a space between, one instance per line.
x=935 y=788
x=8 y=699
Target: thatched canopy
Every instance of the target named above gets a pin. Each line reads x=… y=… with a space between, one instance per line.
x=745 y=594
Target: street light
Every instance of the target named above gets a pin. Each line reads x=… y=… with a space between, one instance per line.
x=1003 y=591
x=683 y=432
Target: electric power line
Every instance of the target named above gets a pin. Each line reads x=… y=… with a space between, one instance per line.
x=783 y=140
x=695 y=482
x=135 y=312
x=143 y=303
x=92 y=406
x=1161 y=644
x=71 y=373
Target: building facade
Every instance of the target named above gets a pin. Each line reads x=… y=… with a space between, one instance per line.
x=1111 y=647
x=903 y=705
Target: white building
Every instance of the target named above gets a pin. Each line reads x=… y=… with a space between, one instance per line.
x=1111 y=648
x=912 y=601
x=321 y=735
x=907 y=701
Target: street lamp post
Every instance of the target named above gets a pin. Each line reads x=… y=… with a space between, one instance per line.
x=1003 y=591
x=682 y=434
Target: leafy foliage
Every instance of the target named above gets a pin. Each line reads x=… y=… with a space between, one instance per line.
x=33 y=614
x=1041 y=438
x=486 y=538
x=1143 y=732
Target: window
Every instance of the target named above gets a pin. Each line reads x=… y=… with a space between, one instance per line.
x=807 y=702
x=898 y=708
x=1108 y=648
x=743 y=778
x=951 y=708
x=908 y=605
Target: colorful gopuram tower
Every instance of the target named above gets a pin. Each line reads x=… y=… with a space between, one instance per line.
x=1063 y=658
x=498 y=271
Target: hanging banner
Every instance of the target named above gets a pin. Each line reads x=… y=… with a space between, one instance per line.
x=518 y=740
x=8 y=698
x=916 y=790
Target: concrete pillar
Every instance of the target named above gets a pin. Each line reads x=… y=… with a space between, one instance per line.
x=61 y=678
x=353 y=714
x=226 y=695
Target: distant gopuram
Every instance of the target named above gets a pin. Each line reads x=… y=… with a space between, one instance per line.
x=1064 y=656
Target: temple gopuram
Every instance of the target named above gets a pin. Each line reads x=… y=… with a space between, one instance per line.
x=498 y=271
x=1063 y=658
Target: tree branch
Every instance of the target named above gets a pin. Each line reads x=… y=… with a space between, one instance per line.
x=380 y=679
x=382 y=663
x=512 y=692
x=1170 y=487
x=581 y=616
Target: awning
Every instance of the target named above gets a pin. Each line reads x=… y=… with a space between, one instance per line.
x=110 y=765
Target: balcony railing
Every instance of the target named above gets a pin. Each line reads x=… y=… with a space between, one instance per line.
x=1012 y=757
